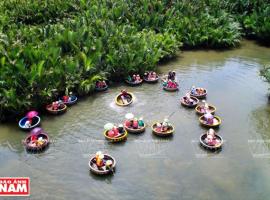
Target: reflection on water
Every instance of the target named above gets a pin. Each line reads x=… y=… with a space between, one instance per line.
x=149 y=167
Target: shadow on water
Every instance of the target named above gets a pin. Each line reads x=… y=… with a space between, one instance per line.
x=107 y=178
x=165 y=138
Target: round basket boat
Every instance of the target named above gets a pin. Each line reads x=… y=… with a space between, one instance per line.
x=137 y=130
x=35 y=121
x=201 y=96
x=170 y=89
x=116 y=139
x=212 y=110
x=195 y=103
x=56 y=112
x=151 y=81
x=133 y=83
x=202 y=121
x=101 y=171
x=101 y=89
x=162 y=134
x=73 y=100
x=210 y=147
x=119 y=101
x=36 y=148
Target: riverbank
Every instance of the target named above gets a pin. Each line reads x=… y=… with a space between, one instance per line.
x=48 y=49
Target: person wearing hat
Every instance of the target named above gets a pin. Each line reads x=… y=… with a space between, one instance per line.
x=121 y=128
x=203 y=106
x=28 y=123
x=69 y=97
x=159 y=127
x=108 y=164
x=124 y=96
x=138 y=78
x=209 y=118
x=98 y=153
x=188 y=99
x=134 y=78
x=146 y=75
x=135 y=123
x=128 y=123
x=193 y=90
x=211 y=138
x=99 y=160
x=55 y=105
x=165 y=124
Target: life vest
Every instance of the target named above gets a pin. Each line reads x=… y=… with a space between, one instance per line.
x=34 y=138
x=99 y=162
x=115 y=131
x=127 y=123
x=111 y=133
x=135 y=124
x=141 y=123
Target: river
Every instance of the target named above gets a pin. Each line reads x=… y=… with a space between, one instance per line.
x=149 y=167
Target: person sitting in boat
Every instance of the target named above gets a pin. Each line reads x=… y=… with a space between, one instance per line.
x=209 y=118
x=70 y=96
x=99 y=159
x=188 y=99
x=101 y=84
x=138 y=78
x=200 y=91
x=65 y=98
x=141 y=122
x=133 y=78
x=169 y=77
x=36 y=142
x=159 y=127
x=152 y=75
x=125 y=96
x=60 y=104
x=171 y=84
x=204 y=107
x=28 y=123
x=134 y=123
x=108 y=164
x=146 y=75
x=40 y=141
x=129 y=79
x=121 y=128
x=165 y=125
x=211 y=138
x=55 y=105
x=173 y=77
x=116 y=131
x=193 y=90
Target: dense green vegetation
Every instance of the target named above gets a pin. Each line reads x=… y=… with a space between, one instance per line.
x=265 y=72
x=49 y=47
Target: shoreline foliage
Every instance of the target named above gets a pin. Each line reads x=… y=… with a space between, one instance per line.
x=50 y=47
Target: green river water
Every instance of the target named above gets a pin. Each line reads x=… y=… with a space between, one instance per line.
x=149 y=167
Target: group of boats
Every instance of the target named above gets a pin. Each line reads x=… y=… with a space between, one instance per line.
x=210 y=140
x=31 y=121
x=101 y=163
